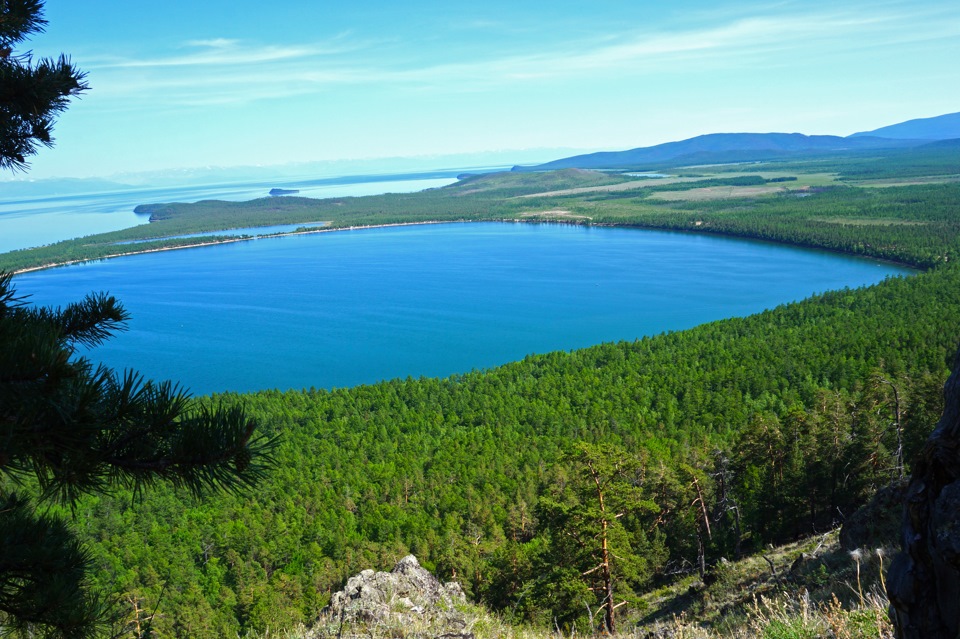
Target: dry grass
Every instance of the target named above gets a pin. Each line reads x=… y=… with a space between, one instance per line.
x=827 y=593
x=717 y=193
x=613 y=188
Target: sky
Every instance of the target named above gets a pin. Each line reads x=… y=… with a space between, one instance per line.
x=224 y=83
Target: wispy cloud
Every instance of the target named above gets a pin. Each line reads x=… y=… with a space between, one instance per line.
x=220 y=70
x=740 y=41
x=215 y=43
x=744 y=42
x=224 y=52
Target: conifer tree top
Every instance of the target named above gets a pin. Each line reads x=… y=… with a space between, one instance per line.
x=32 y=93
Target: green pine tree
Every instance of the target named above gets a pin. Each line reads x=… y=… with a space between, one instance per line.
x=31 y=93
x=598 y=525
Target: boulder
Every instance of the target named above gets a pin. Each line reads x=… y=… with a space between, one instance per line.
x=407 y=594
x=877 y=523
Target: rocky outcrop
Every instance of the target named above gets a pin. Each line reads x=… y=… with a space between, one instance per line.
x=877 y=523
x=924 y=579
x=407 y=595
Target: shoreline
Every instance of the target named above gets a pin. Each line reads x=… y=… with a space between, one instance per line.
x=574 y=222
x=232 y=240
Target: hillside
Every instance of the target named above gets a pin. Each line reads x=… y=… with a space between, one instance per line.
x=718 y=148
x=723 y=147
x=474 y=474
x=941 y=127
x=809 y=588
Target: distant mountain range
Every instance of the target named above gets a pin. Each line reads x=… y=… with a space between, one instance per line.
x=942 y=127
x=744 y=147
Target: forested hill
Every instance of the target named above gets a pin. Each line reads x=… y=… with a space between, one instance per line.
x=786 y=413
x=941 y=127
x=752 y=147
x=723 y=147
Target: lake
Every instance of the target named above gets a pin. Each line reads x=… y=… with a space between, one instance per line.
x=351 y=307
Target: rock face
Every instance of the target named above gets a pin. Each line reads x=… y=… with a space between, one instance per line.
x=877 y=523
x=408 y=593
x=924 y=579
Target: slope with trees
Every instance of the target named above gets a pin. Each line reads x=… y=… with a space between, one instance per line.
x=760 y=429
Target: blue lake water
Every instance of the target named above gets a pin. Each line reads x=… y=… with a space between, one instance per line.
x=350 y=307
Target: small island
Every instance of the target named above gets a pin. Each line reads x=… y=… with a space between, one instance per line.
x=278 y=192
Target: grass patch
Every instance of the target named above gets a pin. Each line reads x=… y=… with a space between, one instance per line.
x=810 y=588
x=717 y=193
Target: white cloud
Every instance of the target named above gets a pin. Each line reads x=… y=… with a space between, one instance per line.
x=744 y=39
x=215 y=43
x=221 y=70
x=225 y=52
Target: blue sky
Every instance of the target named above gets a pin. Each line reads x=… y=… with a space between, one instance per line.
x=190 y=84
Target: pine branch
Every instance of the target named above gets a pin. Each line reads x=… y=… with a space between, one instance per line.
x=80 y=429
x=43 y=576
x=93 y=320
x=8 y=295
x=73 y=429
x=31 y=96
x=18 y=19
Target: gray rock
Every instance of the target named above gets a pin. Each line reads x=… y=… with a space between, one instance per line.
x=924 y=579
x=402 y=595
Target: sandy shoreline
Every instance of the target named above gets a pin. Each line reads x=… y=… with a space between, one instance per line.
x=231 y=240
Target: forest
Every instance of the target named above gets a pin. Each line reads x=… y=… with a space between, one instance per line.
x=563 y=486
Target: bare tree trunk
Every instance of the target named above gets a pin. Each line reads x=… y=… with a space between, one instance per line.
x=924 y=579
x=897 y=424
x=703 y=508
x=701 y=555
x=726 y=504
x=605 y=572
x=608 y=582
x=739 y=536
x=705 y=521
